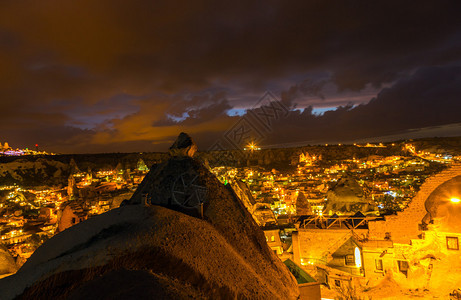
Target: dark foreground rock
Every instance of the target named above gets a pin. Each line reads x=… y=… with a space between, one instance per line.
x=183 y=146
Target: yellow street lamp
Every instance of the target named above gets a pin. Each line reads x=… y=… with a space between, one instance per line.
x=455 y=200
x=251 y=146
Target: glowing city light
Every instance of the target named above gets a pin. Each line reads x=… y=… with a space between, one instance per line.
x=455 y=200
x=252 y=147
x=358 y=258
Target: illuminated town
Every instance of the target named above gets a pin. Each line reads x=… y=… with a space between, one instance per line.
x=286 y=150
x=5 y=149
x=308 y=198
x=30 y=216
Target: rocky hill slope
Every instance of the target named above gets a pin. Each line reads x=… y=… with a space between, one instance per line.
x=182 y=235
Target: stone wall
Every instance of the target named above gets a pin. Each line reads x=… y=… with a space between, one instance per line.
x=315 y=246
x=405 y=225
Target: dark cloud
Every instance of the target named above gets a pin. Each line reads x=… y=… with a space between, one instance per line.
x=430 y=97
x=136 y=72
x=307 y=87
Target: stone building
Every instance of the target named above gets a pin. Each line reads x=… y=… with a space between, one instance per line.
x=273 y=240
x=416 y=250
x=71 y=213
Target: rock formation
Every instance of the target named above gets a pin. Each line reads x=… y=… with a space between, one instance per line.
x=141 y=165
x=442 y=211
x=346 y=196
x=303 y=206
x=72 y=190
x=183 y=146
x=165 y=249
x=71 y=213
x=244 y=194
x=74 y=169
x=7 y=263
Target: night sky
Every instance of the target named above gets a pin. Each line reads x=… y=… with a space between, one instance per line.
x=117 y=76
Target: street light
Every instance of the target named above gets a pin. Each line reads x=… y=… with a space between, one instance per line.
x=252 y=146
x=455 y=200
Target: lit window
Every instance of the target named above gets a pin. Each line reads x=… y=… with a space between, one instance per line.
x=358 y=257
x=379 y=264
x=272 y=238
x=452 y=243
x=350 y=260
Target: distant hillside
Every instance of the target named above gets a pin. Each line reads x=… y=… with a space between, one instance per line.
x=33 y=172
x=442 y=145
x=54 y=170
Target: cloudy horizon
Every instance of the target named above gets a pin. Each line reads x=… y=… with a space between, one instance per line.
x=104 y=76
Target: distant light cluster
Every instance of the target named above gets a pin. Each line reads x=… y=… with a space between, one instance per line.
x=9 y=151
